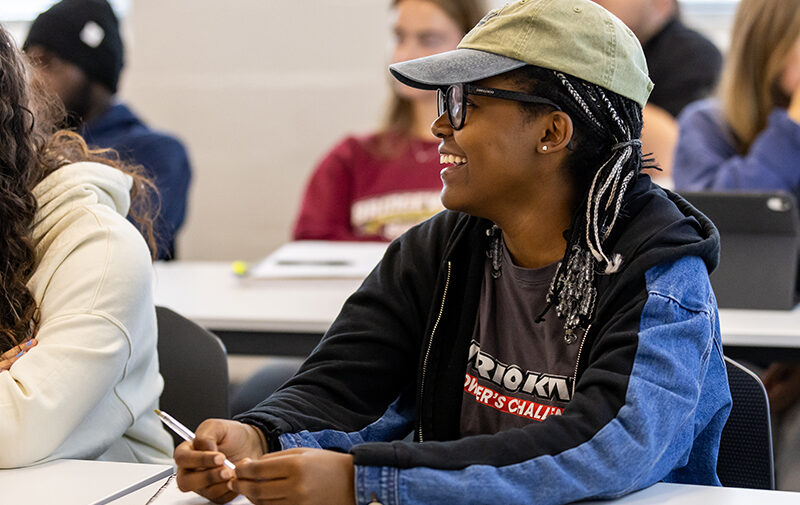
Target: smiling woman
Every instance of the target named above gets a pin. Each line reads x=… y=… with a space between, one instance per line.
x=556 y=321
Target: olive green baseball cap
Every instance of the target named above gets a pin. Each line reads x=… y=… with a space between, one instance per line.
x=576 y=37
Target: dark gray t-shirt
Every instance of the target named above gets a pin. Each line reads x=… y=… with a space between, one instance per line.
x=519 y=371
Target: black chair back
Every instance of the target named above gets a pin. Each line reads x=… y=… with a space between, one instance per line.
x=194 y=365
x=745 y=452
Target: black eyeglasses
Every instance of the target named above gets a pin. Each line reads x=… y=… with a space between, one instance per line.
x=454 y=100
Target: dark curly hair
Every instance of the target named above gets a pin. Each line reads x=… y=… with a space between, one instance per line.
x=31 y=147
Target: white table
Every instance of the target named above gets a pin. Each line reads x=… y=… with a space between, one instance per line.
x=211 y=295
x=684 y=494
x=659 y=494
x=252 y=316
x=287 y=317
x=760 y=328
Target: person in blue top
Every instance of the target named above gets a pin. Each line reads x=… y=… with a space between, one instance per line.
x=748 y=137
x=76 y=46
x=550 y=337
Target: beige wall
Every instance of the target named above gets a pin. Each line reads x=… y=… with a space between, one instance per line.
x=258 y=90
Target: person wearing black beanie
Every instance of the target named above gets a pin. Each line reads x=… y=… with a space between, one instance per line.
x=77 y=48
x=84 y=33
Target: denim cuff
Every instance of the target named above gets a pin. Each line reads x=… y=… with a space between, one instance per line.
x=376 y=484
x=293 y=440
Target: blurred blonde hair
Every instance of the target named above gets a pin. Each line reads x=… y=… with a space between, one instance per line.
x=764 y=33
x=466 y=13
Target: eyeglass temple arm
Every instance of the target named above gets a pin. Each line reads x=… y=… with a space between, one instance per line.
x=508 y=95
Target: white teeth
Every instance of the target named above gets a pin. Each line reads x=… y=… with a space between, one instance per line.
x=452 y=158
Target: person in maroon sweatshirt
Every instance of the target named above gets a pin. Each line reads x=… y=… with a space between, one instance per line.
x=376 y=186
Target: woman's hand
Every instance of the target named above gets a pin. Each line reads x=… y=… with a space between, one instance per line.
x=10 y=356
x=200 y=467
x=297 y=476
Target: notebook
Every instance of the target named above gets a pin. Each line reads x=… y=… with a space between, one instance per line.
x=318 y=259
x=76 y=482
x=759 y=232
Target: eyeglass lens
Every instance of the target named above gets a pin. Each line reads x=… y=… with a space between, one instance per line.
x=455 y=105
x=441 y=101
x=452 y=101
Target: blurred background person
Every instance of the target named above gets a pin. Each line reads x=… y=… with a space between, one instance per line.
x=77 y=47
x=684 y=66
x=748 y=138
x=376 y=186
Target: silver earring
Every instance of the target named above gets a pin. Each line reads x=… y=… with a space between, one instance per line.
x=544 y=148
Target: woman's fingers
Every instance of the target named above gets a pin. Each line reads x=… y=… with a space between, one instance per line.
x=195 y=480
x=264 y=479
x=277 y=489
x=202 y=471
x=12 y=355
x=200 y=462
x=297 y=476
x=20 y=349
x=187 y=457
x=269 y=467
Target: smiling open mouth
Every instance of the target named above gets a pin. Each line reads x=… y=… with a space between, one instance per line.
x=452 y=158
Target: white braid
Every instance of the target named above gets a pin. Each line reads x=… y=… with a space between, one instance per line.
x=615 y=174
x=618 y=205
x=589 y=201
x=613 y=177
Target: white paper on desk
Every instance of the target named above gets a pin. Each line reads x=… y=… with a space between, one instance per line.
x=171 y=495
x=76 y=482
x=318 y=259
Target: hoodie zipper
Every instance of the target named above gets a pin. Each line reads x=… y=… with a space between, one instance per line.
x=577 y=363
x=428 y=350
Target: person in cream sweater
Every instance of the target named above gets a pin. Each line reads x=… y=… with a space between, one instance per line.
x=79 y=371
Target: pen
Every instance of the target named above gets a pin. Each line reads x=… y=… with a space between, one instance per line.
x=183 y=432
x=326 y=263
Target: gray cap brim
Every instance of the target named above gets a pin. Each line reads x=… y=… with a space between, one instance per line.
x=459 y=65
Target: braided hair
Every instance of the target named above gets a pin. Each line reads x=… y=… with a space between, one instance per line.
x=605 y=158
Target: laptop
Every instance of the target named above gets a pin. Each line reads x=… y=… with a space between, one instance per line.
x=759 y=235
